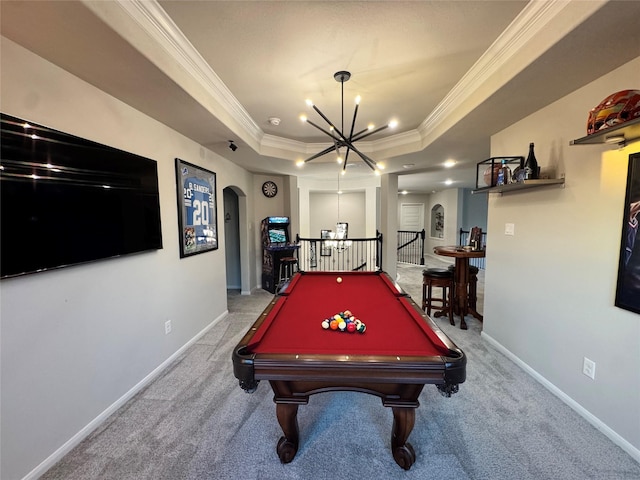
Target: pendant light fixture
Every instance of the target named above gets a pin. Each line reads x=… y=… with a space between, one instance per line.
x=339 y=137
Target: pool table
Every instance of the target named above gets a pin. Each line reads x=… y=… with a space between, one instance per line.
x=400 y=351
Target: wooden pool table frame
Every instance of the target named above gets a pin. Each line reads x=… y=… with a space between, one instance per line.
x=397 y=380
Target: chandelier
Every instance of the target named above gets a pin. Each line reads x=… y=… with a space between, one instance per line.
x=339 y=137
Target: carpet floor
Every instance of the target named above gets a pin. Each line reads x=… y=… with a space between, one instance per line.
x=194 y=422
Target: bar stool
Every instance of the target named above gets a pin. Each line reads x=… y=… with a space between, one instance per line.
x=442 y=278
x=473 y=284
x=288 y=266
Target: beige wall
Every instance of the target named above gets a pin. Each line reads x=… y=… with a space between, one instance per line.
x=77 y=342
x=549 y=295
x=324 y=212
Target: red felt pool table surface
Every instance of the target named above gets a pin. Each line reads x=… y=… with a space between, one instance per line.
x=394 y=326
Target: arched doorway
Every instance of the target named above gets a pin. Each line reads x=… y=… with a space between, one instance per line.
x=232 y=238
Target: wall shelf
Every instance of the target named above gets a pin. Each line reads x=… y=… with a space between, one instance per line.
x=524 y=185
x=627 y=132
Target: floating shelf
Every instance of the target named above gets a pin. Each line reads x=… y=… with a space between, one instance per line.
x=628 y=131
x=526 y=184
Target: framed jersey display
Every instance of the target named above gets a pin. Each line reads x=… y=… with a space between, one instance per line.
x=197 y=208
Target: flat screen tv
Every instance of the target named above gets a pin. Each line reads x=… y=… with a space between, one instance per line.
x=67 y=201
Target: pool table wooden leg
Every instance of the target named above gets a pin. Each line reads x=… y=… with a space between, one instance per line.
x=404 y=419
x=287 y=414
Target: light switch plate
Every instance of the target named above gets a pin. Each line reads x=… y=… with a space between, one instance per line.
x=509 y=228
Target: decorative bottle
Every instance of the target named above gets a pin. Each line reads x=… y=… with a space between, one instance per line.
x=500 y=180
x=506 y=173
x=531 y=165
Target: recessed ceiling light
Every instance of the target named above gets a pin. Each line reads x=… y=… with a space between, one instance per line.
x=275 y=121
x=448 y=181
x=408 y=165
x=449 y=163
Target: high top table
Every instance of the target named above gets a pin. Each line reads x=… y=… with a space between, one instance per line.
x=462 y=257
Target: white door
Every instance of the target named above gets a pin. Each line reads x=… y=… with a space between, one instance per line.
x=411 y=217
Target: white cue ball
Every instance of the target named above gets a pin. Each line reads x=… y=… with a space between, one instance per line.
x=339 y=279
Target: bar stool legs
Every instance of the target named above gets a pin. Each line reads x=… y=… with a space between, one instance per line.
x=473 y=286
x=443 y=305
x=288 y=266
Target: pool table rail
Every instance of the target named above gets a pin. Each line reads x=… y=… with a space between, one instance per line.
x=341 y=370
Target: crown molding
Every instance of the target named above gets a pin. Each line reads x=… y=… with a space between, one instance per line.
x=503 y=59
x=485 y=75
x=155 y=22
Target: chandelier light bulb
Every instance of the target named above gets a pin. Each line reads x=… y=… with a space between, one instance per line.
x=303 y=118
x=393 y=124
x=339 y=159
x=358 y=98
x=309 y=102
x=300 y=163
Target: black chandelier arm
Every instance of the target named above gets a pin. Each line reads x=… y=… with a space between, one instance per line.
x=346 y=158
x=355 y=137
x=327 y=132
x=336 y=146
x=353 y=122
x=372 y=165
x=379 y=129
x=320 y=154
x=368 y=162
x=323 y=116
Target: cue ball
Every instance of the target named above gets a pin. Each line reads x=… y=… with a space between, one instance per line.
x=339 y=279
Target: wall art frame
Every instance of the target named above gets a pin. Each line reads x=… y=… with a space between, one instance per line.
x=628 y=286
x=197 y=209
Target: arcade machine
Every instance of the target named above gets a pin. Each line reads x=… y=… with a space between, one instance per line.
x=276 y=244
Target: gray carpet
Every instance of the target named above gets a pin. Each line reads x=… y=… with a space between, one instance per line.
x=194 y=422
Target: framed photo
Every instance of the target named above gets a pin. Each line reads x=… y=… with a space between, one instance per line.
x=313 y=259
x=628 y=289
x=197 y=207
x=342 y=230
x=325 y=249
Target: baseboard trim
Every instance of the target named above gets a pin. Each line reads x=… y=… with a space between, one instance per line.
x=56 y=456
x=583 y=412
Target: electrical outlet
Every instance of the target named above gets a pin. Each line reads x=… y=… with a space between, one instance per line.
x=167 y=327
x=589 y=368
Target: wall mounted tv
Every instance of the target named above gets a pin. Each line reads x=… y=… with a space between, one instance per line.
x=66 y=200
